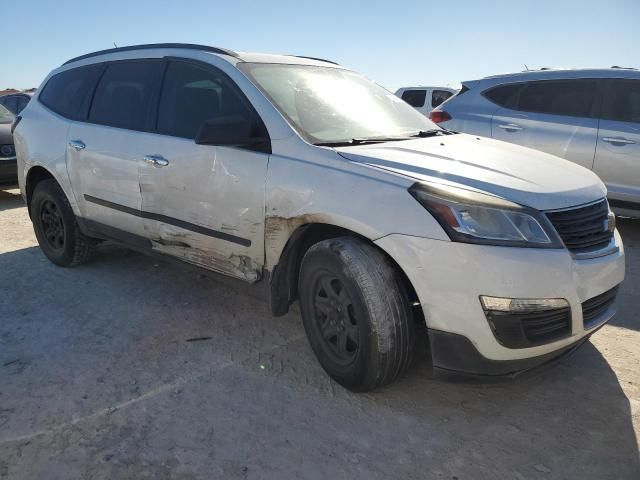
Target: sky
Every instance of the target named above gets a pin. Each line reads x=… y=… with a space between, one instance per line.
x=401 y=43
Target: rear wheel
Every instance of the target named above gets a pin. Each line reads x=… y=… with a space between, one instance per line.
x=356 y=313
x=56 y=227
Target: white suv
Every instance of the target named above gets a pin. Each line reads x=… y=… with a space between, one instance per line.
x=304 y=175
x=425 y=99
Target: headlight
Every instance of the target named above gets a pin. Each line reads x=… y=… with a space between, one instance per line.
x=473 y=217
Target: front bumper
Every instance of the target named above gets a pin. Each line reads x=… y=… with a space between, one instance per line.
x=449 y=278
x=8 y=171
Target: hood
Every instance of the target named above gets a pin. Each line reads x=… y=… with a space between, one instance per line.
x=512 y=172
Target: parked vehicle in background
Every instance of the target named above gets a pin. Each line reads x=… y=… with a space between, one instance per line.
x=590 y=117
x=425 y=99
x=311 y=178
x=8 y=172
x=15 y=102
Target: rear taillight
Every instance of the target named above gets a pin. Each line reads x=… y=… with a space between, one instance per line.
x=437 y=116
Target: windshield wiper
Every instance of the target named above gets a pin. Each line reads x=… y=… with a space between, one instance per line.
x=361 y=141
x=432 y=133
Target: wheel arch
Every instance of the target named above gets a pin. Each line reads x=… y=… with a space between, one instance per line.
x=34 y=176
x=283 y=281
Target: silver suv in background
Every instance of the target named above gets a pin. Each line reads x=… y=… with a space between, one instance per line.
x=590 y=117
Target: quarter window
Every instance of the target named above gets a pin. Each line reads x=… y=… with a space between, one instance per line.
x=127 y=94
x=622 y=101
x=415 y=98
x=22 y=102
x=69 y=93
x=503 y=94
x=438 y=97
x=191 y=95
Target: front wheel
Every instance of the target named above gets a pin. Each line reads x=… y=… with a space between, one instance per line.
x=356 y=313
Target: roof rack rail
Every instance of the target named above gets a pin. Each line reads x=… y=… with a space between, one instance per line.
x=315 y=58
x=623 y=68
x=148 y=46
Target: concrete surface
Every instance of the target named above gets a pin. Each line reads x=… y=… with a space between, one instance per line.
x=98 y=380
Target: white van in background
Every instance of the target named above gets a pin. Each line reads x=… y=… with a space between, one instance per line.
x=425 y=99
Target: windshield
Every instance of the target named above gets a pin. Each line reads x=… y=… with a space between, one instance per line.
x=5 y=115
x=331 y=105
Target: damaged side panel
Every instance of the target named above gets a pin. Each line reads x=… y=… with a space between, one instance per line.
x=206 y=206
x=199 y=250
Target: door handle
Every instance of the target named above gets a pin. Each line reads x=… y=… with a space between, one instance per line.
x=156 y=160
x=511 y=127
x=77 y=145
x=618 y=141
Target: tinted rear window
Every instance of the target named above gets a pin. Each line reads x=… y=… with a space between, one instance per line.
x=10 y=103
x=559 y=97
x=502 y=94
x=22 y=102
x=439 y=96
x=622 y=101
x=415 y=98
x=69 y=93
x=127 y=94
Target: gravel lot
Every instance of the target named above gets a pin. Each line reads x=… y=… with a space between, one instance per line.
x=99 y=380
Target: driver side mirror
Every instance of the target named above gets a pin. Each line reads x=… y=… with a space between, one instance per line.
x=230 y=130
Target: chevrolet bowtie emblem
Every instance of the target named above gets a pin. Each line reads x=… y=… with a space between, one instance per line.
x=610 y=222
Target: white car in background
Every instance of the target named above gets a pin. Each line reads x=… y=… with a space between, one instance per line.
x=333 y=192
x=425 y=99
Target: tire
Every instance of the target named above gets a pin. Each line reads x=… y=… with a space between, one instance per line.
x=356 y=313
x=56 y=227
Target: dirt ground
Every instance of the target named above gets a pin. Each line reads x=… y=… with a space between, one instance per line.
x=131 y=367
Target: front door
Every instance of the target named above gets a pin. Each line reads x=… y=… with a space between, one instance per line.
x=203 y=204
x=617 y=160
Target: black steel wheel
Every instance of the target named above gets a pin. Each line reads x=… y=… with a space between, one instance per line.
x=56 y=227
x=356 y=313
x=52 y=224
x=336 y=319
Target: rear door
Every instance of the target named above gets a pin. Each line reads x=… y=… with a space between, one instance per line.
x=554 y=116
x=203 y=204
x=617 y=160
x=104 y=152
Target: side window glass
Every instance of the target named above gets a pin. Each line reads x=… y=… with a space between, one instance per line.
x=22 y=102
x=127 y=94
x=69 y=93
x=503 y=95
x=415 y=98
x=191 y=95
x=565 y=97
x=439 y=96
x=622 y=101
x=11 y=104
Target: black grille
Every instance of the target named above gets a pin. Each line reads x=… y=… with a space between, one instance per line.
x=528 y=329
x=583 y=229
x=596 y=306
